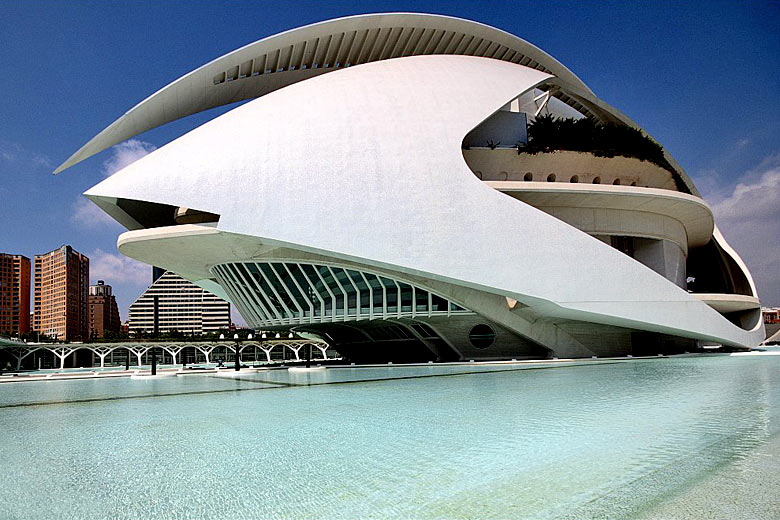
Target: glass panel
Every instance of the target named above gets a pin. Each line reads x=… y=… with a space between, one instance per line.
x=283 y=293
x=343 y=280
x=309 y=293
x=247 y=308
x=438 y=304
x=406 y=297
x=365 y=295
x=265 y=286
x=292 y=290
x=403 y=332
x=319 y=287
x=334 y=287
x=392 y=294
x=421 y=300
x=251 y=287
x=376 y=285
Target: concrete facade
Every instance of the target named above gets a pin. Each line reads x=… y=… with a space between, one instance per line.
x=103 y=311
x=60 y=294
x=183 y=306
x=14 y=294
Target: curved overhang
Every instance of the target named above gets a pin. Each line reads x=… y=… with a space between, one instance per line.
x=691 y=212
x=726 y=303
x=719 y=239
x=299 y=54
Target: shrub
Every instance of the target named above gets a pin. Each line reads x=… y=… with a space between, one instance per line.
x=548 y=133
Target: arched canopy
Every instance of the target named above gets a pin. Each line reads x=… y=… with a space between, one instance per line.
x=298 y=54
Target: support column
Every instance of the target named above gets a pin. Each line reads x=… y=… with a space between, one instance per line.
x=207 y=352
x=21 y=353
x=102 y=352
x=61 y=353
x=139 y=352
x=156 y=332
x=296 y=350
x=174 y=352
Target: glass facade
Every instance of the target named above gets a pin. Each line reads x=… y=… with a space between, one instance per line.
x=286 y=293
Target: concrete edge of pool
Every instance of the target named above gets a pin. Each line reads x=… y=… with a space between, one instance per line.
x=165 y=372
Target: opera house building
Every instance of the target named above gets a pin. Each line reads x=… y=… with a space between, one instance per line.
x=414 y=188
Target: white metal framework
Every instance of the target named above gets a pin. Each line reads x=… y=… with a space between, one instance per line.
x=290 y=293
x=299 y=54
x=140 y=350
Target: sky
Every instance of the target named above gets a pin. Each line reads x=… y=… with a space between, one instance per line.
x=701 y=78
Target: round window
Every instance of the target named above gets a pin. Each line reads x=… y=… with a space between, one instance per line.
x=482 y=336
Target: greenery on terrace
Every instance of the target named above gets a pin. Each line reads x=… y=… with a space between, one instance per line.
x=549 y=133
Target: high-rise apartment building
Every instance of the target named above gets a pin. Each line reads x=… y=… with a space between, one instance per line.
x=60 y=294
x=183 y=306
x=14 y=294
x=103 y=311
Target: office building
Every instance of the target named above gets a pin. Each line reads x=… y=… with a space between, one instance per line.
x=60 y=294
x=103 y=311
x=183 y=307
x=14 y=294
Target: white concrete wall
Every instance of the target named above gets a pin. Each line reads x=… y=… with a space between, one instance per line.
x=382 y=181
x=503 y=165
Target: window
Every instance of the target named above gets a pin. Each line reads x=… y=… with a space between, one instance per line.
x=482 y=336
x=623 y=244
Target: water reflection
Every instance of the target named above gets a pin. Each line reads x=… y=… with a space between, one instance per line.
x=627 y=440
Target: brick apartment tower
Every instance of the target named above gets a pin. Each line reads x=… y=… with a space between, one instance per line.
x=60 y=294
x=14 y=294
x=103 y=311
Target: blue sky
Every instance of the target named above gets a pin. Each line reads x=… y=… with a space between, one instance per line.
x=701 y=78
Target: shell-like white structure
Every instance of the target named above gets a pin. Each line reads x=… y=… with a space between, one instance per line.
x=340 y=203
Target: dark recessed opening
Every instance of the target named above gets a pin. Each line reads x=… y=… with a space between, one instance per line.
x=482 y=336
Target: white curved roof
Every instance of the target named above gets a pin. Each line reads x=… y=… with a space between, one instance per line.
x=298 y=54
x=354 y=192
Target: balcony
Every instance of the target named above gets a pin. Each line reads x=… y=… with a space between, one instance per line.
x=501 y=164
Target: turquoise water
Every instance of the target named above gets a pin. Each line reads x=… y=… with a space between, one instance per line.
x=694 y=437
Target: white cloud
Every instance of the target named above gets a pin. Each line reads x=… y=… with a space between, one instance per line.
x=127 y=277
x=117 y=269
x=125 y=154
x=88 y=215
x=752 y=199
x=749 y=217
x=41 y=161
x=9 y=151
x=15 y=155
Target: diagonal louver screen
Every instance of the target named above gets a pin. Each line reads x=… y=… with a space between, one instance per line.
x=287 y=293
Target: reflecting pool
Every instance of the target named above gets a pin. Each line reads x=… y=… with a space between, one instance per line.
x=687 y=437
